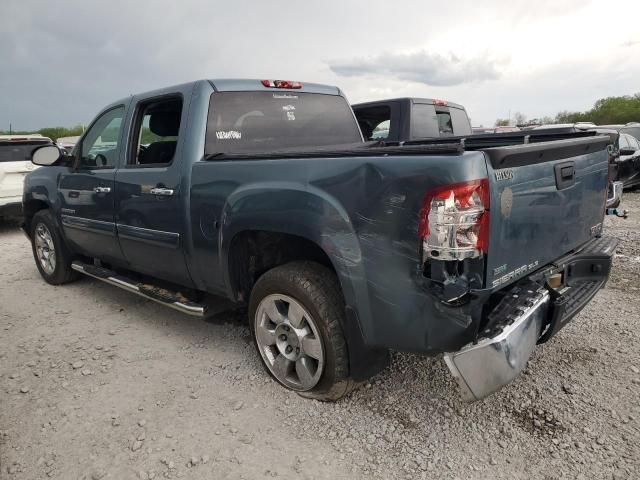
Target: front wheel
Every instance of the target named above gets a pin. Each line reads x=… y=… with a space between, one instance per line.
x=296 y=313
x=49 y=251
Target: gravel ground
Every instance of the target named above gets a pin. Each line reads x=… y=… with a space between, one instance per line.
x=98 y=384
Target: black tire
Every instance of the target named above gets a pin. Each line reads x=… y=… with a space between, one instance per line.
x=62 y=273
x=316 y=288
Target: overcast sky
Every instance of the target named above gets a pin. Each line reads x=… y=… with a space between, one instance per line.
x=61 y=61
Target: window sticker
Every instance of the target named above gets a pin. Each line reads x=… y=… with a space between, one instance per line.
x=285 y=96
x=288 y=108
x=228 y=135
x=291 y=116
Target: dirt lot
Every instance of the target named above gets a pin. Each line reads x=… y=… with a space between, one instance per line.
x=98 y=384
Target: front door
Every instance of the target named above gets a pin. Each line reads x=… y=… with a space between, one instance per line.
x=86 y=193
x=150 y=202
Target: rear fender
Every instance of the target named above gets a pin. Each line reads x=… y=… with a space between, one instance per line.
x=310 y=213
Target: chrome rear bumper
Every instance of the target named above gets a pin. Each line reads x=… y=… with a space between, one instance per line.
x=486 y=366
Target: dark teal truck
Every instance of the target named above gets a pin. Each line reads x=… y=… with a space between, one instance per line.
x=263 y=194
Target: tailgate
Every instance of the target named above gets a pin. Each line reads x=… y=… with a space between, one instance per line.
x=547 y=199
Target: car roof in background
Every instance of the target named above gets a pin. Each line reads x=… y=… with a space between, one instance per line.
x=29 y=137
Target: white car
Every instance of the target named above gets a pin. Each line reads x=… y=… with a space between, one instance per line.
x=15 y=164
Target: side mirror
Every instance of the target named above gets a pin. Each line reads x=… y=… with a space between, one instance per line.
x=46 y=156
x=626 y=151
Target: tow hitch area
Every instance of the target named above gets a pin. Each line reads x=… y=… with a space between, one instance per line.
x=531 y=312
x=503 y=350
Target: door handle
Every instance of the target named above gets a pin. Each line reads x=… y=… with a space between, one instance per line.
x=161 y=191
x=102 y=189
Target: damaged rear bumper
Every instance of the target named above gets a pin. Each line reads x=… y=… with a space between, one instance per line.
x=529 y=313
x=484 y=367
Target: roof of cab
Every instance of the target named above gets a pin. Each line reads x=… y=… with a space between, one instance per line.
x=234 y=85
x=244 y=85
x=428 y=101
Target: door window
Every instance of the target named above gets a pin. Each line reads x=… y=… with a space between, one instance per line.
x=156 y=132
x=100 y=145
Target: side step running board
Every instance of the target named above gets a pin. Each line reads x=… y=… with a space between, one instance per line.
x=171 y=299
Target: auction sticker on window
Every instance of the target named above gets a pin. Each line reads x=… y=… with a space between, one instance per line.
x=228 y=135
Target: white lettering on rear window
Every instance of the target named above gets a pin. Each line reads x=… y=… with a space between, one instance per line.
x=228 y=135
x=285 y=95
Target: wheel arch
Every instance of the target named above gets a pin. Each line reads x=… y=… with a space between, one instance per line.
x=311 y=226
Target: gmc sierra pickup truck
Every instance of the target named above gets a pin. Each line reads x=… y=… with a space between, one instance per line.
x=263 y=193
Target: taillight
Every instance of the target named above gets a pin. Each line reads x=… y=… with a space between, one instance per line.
x=281 y=84
x=454 y=221
x=437 y=101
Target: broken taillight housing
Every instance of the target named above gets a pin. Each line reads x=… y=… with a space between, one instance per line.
x=454 y=221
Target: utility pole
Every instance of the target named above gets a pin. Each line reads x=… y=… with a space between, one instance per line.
x=9 y=128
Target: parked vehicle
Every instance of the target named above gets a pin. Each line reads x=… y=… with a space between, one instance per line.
x=263 y=193
x=489 y=130
x=631 y=128
x=15 y=163
x=628 y=161
x=404 y=119
x=575 y=126
x=67 y=143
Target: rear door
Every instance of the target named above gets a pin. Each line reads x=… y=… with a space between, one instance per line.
x=86 y=192
x=150 y=197
x=547 y=199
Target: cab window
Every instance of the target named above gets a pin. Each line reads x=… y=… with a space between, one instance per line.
x=100 y=144
x=374 y=122
x=156 y=132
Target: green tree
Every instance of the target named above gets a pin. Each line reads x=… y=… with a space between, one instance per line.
x=502 y=122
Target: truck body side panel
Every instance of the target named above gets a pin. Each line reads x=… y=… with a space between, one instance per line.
x=363 y=212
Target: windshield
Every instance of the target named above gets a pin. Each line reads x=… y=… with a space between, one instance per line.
x=245 y=122
x=18 y=152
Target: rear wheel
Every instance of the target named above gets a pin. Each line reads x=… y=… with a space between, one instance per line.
x=296 y=315
x=52 y=257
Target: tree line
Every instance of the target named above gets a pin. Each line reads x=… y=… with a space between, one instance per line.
x=54 y=133
x=109 y=135
x=606 y=111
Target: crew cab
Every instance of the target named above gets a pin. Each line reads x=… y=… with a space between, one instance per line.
x=263 y=194
x=405 y=119
x=15 y=163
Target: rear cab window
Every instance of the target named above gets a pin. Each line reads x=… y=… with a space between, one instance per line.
x=434 y=121
x=19 y=151
x=252 y=122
